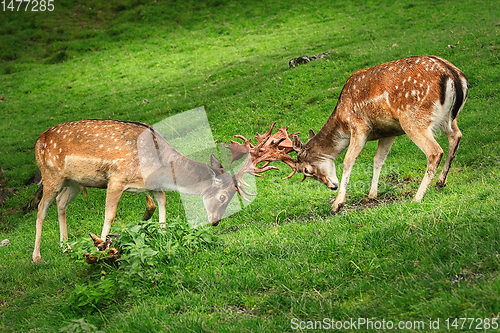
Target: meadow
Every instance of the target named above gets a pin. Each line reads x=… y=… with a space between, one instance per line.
x=285 y=261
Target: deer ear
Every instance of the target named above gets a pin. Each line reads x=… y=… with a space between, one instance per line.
x=216 y=165
x=311 y=134
x=297 y=143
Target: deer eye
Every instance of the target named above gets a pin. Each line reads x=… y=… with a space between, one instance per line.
x=222 y=198
x=306 y=171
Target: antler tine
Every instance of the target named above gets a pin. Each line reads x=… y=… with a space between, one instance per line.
x=266 y=135
x=242 y=190
x=291 y=165
x=269 y=147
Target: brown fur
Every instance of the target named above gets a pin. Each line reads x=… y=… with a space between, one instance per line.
x=120 y=156
x=412 y=96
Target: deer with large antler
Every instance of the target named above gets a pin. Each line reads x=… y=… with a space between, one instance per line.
x=127 y=156
x=413 y=96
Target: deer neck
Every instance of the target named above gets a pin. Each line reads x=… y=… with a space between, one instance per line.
x=167 y=169
x=331 y=140
x=190 y=177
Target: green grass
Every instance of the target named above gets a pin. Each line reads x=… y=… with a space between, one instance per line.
x=286 y=255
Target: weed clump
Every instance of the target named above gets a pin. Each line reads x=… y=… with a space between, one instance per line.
x=145 y=249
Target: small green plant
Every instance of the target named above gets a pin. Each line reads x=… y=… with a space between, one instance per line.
x=144 y=248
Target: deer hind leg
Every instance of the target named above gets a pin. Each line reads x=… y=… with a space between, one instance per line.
x=426 y=142
x=162 y=202
x=63 y=200
x=384 y=146
x=454 y=136
x=357 y=143
x=113 y=195
x=49 y=194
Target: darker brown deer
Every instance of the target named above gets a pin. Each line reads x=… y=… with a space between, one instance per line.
x=413 y=96
x=121 y=156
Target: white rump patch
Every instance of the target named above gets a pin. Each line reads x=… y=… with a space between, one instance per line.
x=441 y=116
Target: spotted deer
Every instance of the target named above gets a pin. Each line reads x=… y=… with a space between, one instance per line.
x=128 y=156
x=413 y=96
x=120 y=156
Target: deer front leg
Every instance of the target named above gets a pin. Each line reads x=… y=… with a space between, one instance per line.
x=113 y=195
x=355 y=146
x=383 y=148
x=425 y=141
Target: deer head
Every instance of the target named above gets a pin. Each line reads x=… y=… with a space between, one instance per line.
x=314 y=164
x=217 y=196
x=269 y=148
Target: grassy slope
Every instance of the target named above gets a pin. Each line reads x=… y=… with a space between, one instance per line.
x=395 y=261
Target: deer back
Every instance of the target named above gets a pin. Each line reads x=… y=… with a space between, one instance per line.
x=416 y=91
x=91 y=152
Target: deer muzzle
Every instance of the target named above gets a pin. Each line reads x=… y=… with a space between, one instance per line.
x=332 y=185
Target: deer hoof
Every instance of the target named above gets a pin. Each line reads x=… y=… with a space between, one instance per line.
x=367 y=200
x=440 y=185
x=336 y=207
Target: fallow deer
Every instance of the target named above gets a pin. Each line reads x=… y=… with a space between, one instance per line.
x=106 y=154
x=127 y=156
x=413 y=96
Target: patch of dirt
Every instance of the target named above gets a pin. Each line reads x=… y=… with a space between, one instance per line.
x=385 y=199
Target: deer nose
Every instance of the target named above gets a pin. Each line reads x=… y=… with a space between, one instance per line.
x=332 y=185
x=215 y=223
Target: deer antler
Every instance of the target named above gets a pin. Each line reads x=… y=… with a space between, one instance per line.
x=269 y=148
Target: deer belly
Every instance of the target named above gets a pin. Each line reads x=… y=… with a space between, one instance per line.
x=385 y=128
x=89 y=171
